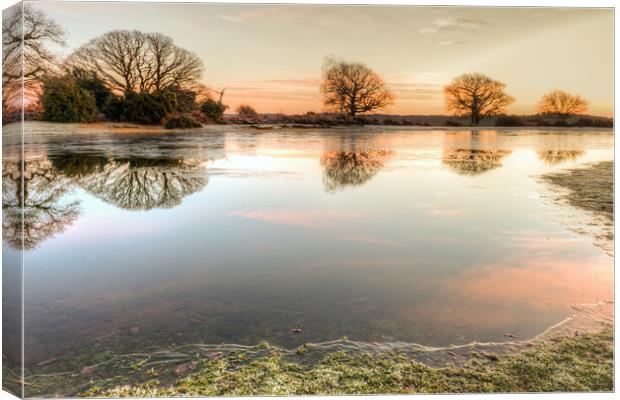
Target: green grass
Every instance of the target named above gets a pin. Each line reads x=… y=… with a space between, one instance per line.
x=580 y=363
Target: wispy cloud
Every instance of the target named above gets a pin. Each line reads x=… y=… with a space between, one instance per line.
x=451 y=42
x=307 y=89
x=417 y=85
x=453 y=25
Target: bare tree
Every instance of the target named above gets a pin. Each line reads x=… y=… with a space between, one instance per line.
x=31 y=28
x=136 y=61
x=353 y=88
x=476 y=95
x=562 y=103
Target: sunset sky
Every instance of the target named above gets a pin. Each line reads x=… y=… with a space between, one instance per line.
x=270 y=56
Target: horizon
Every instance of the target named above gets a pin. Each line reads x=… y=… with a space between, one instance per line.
x=415 y=49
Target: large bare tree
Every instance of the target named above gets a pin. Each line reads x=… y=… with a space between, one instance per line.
x=31 y=30
x=353 y=88
x=136 y=61
x=477 y=96
x=562 y=103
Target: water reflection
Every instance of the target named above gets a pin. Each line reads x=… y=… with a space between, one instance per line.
x=352 y=164
x=553 y=157
x=131 y=184
x=45 y=214
x=414 y=254
x=140 y=183
x=472 y=153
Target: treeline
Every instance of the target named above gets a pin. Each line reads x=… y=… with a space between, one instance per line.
x=145 y=78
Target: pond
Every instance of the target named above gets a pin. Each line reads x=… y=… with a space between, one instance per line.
x=146 y=240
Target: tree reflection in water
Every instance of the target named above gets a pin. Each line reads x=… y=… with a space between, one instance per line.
x=352 y=165
x=45 y=213
x=472 y=153
x=132 y=184
x=559 y=156
x=135 y=183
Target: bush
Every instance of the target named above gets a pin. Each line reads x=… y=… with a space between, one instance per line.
x=148 y=108
x=596 y=123
x=509 y=120
x=186 y=99
x=113 y=108
x=182 y=122
x=64 y=101
x=213 y=110
x=453 y=123
x=245 y=111
x=89 y=81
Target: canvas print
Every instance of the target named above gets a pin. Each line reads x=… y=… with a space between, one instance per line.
x=257 y=199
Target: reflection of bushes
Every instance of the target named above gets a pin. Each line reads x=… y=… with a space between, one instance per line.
x=78 y=165
x=474 y=161
x=558 y=156
x=343 y=168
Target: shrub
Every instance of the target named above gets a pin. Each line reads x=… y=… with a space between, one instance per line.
x=453 y=123
x=182 y=122
x=246 y=111
x=113 y=108
x=509 y=120
x=64 y=101
x=186 y=99
x=213 y=110
x=89 y=81
x=597 y=123
x=148 y=108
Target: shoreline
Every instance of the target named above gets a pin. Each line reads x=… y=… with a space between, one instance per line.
x=176 y=365
x=589 y=189
x=118 y=127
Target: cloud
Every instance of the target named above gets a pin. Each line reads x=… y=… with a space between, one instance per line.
x=453 y=25
x=231 y=18
x=451 y=42
x=417 y=85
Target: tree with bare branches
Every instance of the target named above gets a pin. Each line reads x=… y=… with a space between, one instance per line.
x=133 y=61
x=477 y=96
x=353 y=88
x=31 y=29
x=562 y=103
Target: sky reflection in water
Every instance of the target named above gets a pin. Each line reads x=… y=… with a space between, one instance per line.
x=434 y=237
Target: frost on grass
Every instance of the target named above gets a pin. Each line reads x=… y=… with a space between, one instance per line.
x=590 y=189
x=569 y=363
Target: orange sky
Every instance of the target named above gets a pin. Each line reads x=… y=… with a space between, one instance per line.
x=270 y=56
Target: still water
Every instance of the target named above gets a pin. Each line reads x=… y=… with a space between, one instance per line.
x=232 y=235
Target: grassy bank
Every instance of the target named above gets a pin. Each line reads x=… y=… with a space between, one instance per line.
x=569 y=363
x=590 y=189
